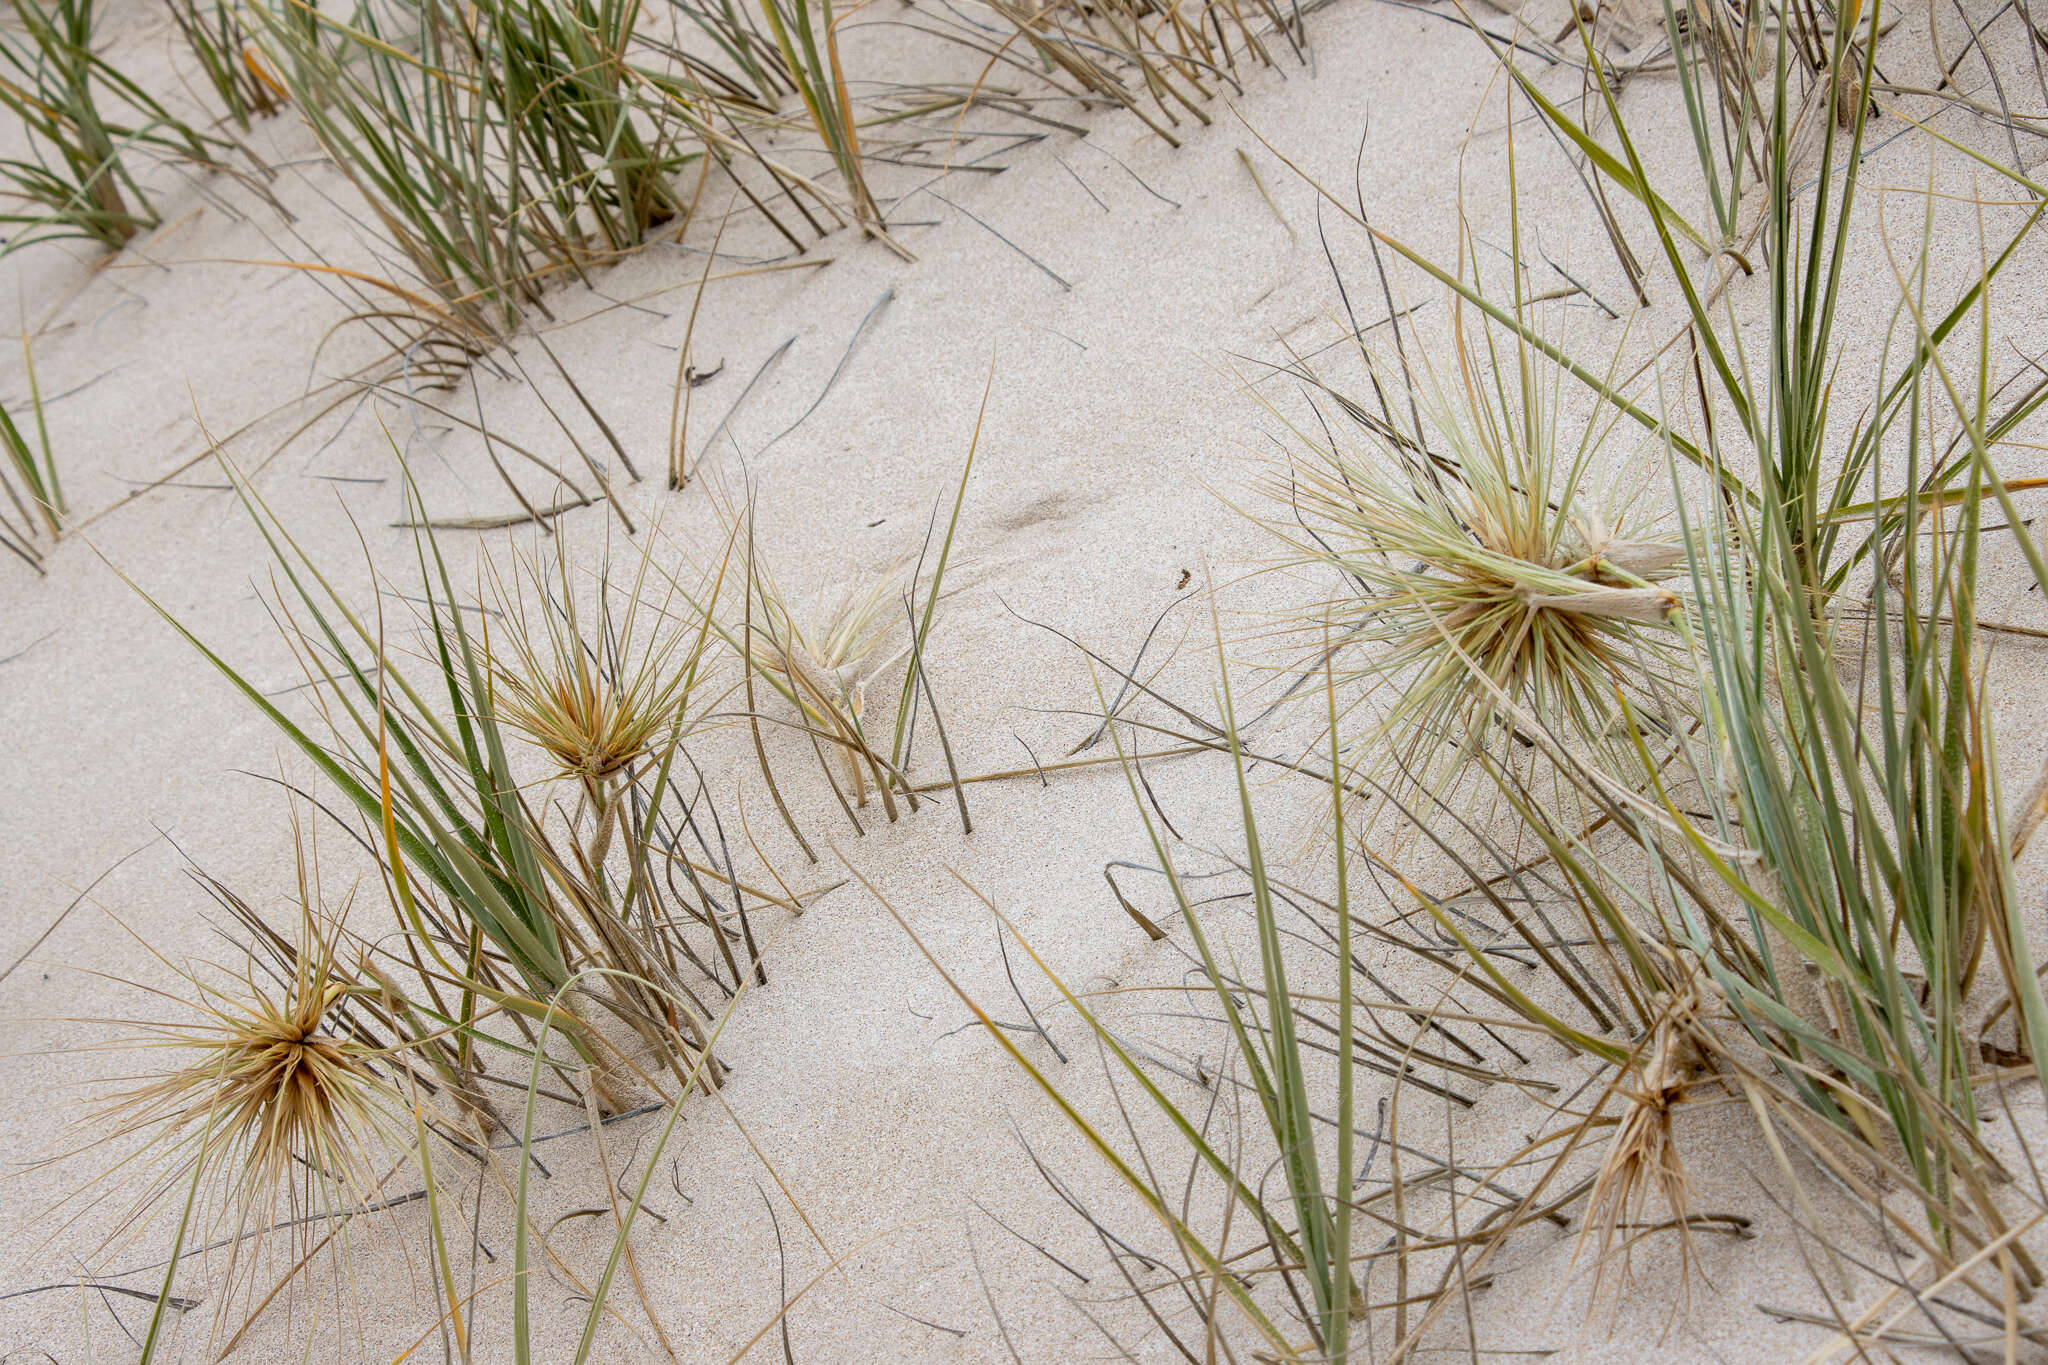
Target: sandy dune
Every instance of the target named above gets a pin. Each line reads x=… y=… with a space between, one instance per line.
x=1111 y=293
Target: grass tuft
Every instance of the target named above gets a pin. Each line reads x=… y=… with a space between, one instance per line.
x=84 y=118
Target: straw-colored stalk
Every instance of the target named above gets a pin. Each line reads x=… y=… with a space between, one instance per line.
x=1643 y=1156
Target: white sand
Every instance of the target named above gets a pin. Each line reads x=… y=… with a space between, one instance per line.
x=1107 y=418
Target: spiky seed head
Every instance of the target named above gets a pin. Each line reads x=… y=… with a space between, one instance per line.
x=592 y=689
x=588 y=727
x=829 y=665
x=1643 y=1158
x=1502 y=567
x=271 y=1083
x=274 y=1109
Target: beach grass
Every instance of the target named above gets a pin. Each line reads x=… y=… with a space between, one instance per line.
x=84 y=118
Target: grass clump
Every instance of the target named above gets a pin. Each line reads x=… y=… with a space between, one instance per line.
x=514 y=144
x=1160 y=64
x=598 y=146
x=1796 y=893
x=1782 y=867
x=505 y=901
x=419 y=137
x=84 y=118
x=593 y=950
x=1868 y=793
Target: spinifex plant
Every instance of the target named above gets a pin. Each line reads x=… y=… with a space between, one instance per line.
x=270 y=1115
x=1802 y=901
x=501 y=906
x=1481 y=554
x=83 y=118
x=597 y=687
x=1798 y=894
x=298 y=1102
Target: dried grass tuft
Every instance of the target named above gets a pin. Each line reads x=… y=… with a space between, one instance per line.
x=1643 y=1166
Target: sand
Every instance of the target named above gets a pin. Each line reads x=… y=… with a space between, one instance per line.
x=1114 y=434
